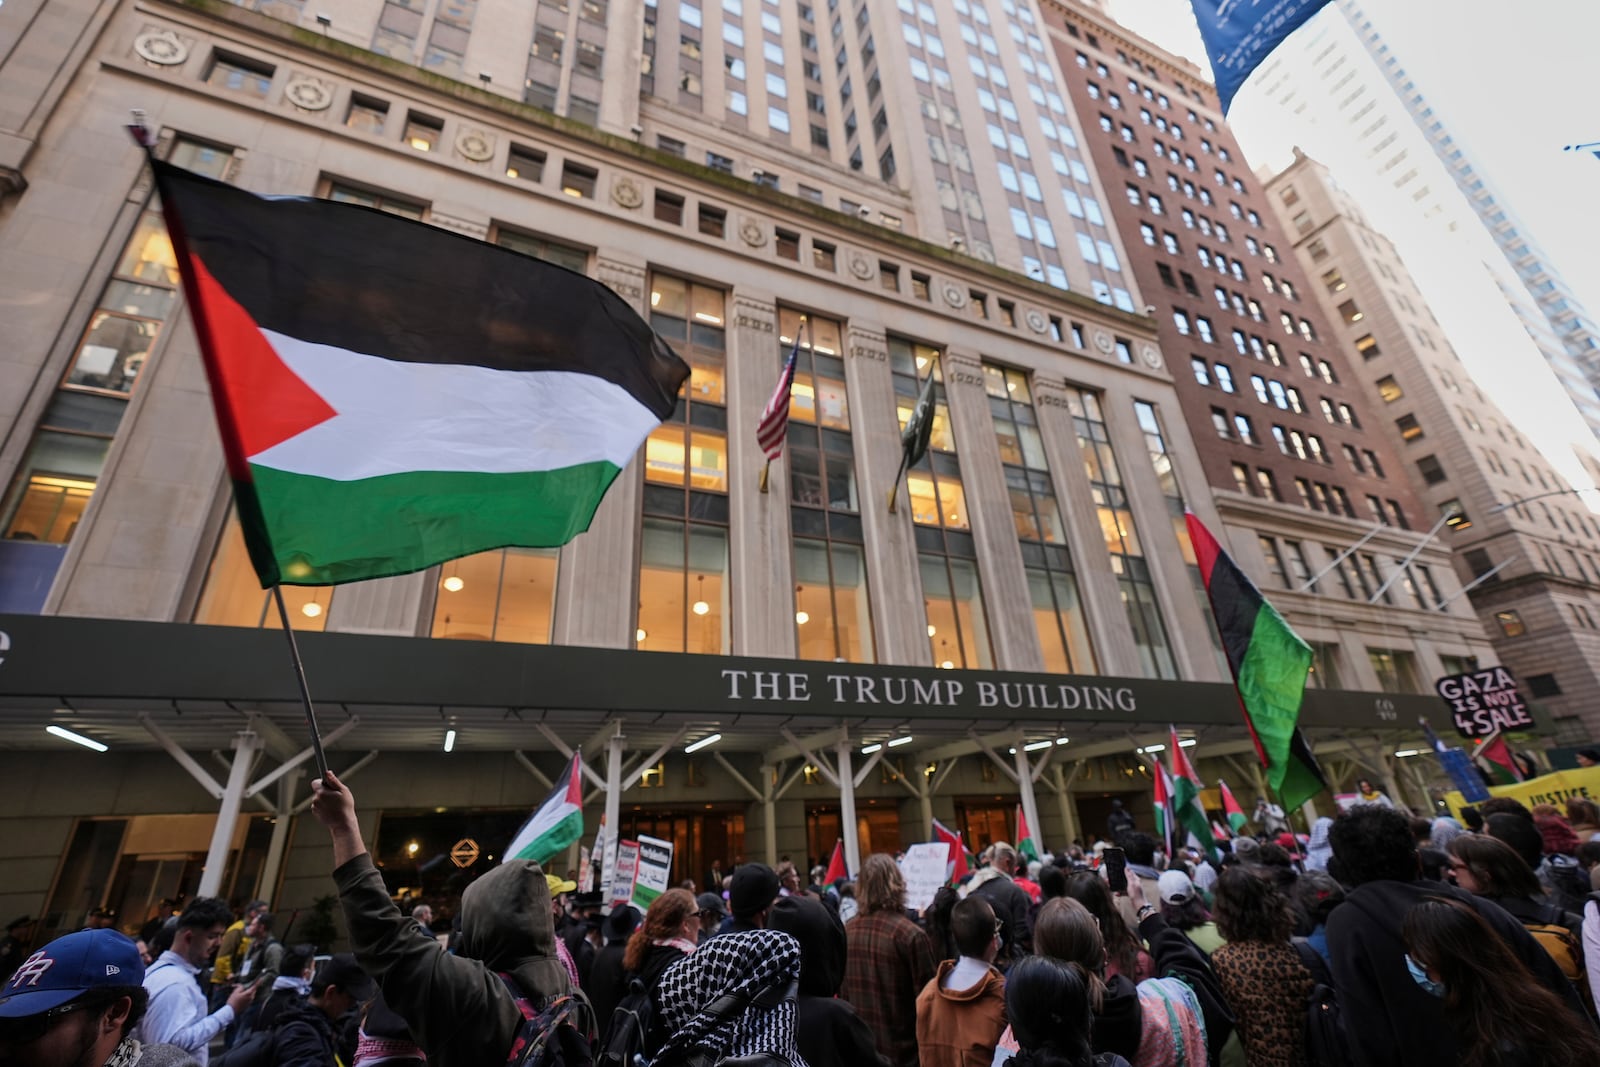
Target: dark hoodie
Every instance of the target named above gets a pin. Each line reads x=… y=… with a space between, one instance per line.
x=303 y=1036
x=828 y=1032
x=456 y=1005
x=1396 y=1022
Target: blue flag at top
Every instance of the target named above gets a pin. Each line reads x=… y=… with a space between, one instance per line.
x=1463 y=775
x=1239 y=34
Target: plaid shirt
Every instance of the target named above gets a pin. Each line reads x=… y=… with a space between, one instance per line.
x=890 y=960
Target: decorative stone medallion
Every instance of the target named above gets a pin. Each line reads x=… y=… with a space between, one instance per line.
x=860 y=266
x=626 y=193
x=954 y=295
x=1103 y=341
x=1036 y=320
x=161 y=47
x=475 y=145
x=1151 y=357
x=308 y=94
x=751 y=232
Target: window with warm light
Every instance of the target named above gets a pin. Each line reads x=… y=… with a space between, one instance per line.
x=59 y=472
x=423 y=132
x=683 y=569
x=1052 y=583
x=1121 y=536
x=232 y=595
x=832 y=618
x=1155 y=440
x=578 y=181
x=507 y=594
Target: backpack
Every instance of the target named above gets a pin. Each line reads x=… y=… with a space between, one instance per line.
x=557 y=1033
x=1325 y=1041
x=256 y=1049
x=629 y=1029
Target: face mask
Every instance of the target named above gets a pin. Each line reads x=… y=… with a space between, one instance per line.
x=1420 y=976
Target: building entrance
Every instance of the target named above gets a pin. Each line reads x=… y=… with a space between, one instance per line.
x=712 y=834
x=878 y=826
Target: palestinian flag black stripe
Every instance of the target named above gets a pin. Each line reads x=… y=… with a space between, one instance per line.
x=1270 y=664
x=391 y=395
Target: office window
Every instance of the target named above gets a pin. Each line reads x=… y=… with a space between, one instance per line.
x=578 y=181
x=713 y=221
x=366 y=114
x=507 y=594
x=1431 y=469
x=423 y=132
x=232 y=594
x=1396 y=670
x=1350 y=312
x=525 y=164
x=822 y=256
x=669 y=208
x=1121 y=536
x=240 y=75
x=1409 y=429
x=1274 y=560
x=788 y=245
x=1455 y=515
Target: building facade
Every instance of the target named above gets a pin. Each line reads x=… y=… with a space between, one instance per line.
x=1023 y=622
x=1512 y=523
x=1296 y=462
x=1356 y=109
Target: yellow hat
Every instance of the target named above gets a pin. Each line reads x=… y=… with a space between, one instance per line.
x=559 y=885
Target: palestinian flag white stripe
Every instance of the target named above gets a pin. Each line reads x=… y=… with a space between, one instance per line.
x=400 y=418
x=557 y=824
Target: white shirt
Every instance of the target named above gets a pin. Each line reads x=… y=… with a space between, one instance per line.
x=177 y=1011
x=967 y=973
x=1591 y=944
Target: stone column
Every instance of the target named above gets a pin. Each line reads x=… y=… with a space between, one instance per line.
x=244 y=754
x=382 y=606
x=898 y=620
x=1005 y=586
x=597 y=579
x=760 y=546
x=1097 y=586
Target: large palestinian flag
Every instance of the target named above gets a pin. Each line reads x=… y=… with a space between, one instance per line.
x=1270 y=664
x=391 y=395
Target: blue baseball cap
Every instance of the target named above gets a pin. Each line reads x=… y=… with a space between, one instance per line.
x=67 y=968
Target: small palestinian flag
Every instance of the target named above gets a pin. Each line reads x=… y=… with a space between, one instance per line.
x=1186 y=786
x=956 y=866
x=391 y=395
x=1231 y=808
x=558 y=823
x=838 y=871
x=1270 y=664
x=1027 y=846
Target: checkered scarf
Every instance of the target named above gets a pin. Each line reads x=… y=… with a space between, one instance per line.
x=746 y=964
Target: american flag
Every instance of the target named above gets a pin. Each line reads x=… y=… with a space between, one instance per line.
x=774 y=422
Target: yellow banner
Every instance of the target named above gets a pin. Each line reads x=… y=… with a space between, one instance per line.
x=1546 y=789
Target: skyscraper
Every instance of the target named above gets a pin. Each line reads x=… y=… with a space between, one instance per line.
x=1355 y=107
x=1295 y=459
x=1521 y=537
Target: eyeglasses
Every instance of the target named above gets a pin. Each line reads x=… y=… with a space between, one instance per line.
x=27 y=1030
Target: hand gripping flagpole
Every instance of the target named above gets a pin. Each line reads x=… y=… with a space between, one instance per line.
x=146 y=139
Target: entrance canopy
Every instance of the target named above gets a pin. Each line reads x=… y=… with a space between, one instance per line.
x=201 y=684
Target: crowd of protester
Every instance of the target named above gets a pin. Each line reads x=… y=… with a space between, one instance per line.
x=1378 y=938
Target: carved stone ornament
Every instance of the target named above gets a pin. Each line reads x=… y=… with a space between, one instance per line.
x=475 y=145
x=954 y=295
x=161 y=47
x=308 y=94
x=860 y=266
x=751 y=232
x=1036 y=320
x=1151 y=357
x=626 y=281
x=1103 y=341
x=626 y=193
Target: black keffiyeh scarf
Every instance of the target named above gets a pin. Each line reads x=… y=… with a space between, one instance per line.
x=744 y=965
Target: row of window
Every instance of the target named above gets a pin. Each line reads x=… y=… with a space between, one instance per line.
x=1357 y=576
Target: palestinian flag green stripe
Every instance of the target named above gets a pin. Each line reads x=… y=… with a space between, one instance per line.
x=419 y=509
x=1270 y=664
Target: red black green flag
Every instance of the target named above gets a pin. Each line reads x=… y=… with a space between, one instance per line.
x=1270 y=664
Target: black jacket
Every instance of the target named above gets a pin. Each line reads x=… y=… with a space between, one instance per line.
x=607 y=983
x=303 y=1036
x=1011 y=905
x=1394 y=1021
x=828 y=1032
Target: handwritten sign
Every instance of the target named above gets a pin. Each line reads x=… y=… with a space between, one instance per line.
x=923 y=868
x=627 y=864
x=1482 y=702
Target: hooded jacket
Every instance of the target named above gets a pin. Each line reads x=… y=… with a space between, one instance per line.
x=960 y=1027
x=459 y=1010
x=1011 y=905
x=828 y=1032
x=303 y=1036
x=1399 y=1023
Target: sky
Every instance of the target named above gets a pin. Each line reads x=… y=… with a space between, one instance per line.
x=1513 y=122
x=1513 y=118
